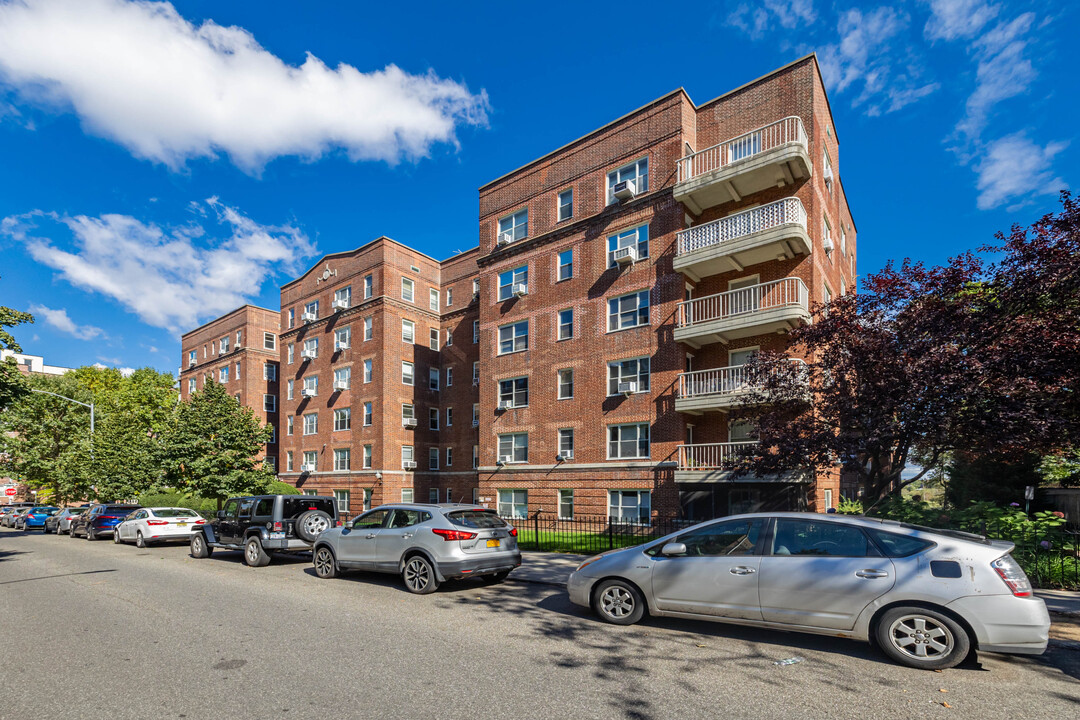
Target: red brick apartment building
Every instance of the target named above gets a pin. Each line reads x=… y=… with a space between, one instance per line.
x=583 y=359
x=240 y=351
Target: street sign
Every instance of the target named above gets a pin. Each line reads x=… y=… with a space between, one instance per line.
x=9 y=491
x=1029 y=492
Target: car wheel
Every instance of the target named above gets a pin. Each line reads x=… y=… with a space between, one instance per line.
x=922 y=638
x=199 y=548
x=325 y=565
x=90 y=536
x=419 y=576
x=140 y=542
x=619 y=602
x=116 y=537
x=254 y=555
x=309 y=525
x=71 y=532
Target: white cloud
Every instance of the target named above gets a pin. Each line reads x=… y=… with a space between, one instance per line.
x=1002 y=72
x=770 y=14
x=124 y=371
x=169 y=91
x=953 y=19
x=59 y=319
x=172 y=278
x=1014 y=169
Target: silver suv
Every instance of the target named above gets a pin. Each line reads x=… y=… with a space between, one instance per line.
x=425 y=544
x=926 y=597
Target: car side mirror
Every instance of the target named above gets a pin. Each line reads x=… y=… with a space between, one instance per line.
x=220 y=514
x=674 y=548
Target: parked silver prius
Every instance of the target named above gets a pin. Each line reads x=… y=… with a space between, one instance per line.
x=926 y=597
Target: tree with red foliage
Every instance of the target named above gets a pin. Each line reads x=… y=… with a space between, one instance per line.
x=972 y=356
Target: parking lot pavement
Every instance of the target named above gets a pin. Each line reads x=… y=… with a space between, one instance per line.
x=156 y=632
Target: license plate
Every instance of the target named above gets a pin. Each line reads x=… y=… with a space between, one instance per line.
x=493 y=543
x=277 y=536
x=181 y=524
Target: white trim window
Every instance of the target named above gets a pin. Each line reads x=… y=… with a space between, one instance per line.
x=515 y=226
x=513 y=503
x=342 y=498
x=449 y=376
x=514 y=446
x=367 y=370
x=638 y=171
x=288 y=461
x=342 y=376
x=449 y=338
x=289 y=389
x=476 y=415
x=368 y=329
x=291 y=354
x=449 y=417
x=475 y=456
x=369 y=414
x=407 y=454
x=566 y=324
x=433 y=495
x=566 y=504
x=269 y=341
x=237 y=371
x=514 y=337
x=408 y=331
x=311 y=460
x=515 y=391
x=408 y=412
x=408 y=290
x=289 y=425
x=273 y=434
x=637 y=238
x=565 y=204
x=634 y=370
x=433 y=339
x=566 y=443
x=312 y=308
x=433 y=418
x=270 y=372
x=449 y=463
x=223 y=374
x=449 y=297
x=191 y=386
x=342 y=338
x=433 y=458
x=344 y=295
x=433 y=379
x=565 y=264
x=433 y=299
x=476 y=372
x=627 y=441
x=475 y=331
x=224 y=345
x=627 y=311
x=342 y=459
x=630 y=506
x=270 y=403
x=510 y=278
x=311 y=385
x=407 y=495
x=367 y=457
x=369 y=286
x=407 y=373
x=192 y=357
x=566 y=384
x=311 y=347
x=342 y=419
x=292 y=317
x=311 y=423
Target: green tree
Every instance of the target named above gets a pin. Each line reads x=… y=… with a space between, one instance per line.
x=211 y=448
x=13 y=383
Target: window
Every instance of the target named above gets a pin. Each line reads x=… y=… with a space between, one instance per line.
x=843 y=241
x=433 y=458
x=273 y=433
x=723 y=539
x=407 y=455
x=369 y=286
x=566 y=384
x=566 y=204
x=476 y=415
x=513 y=503
x=342 y=459
x=343 y=297
x=828 y=171
x=433 y=495
x=637 y=171
x=367 y=457
x=433 y=339
x=406 y=495
x=237 y=371
x=449 y=463
x=475 y=456
x=514 y=447
x=367 y=501
x=270 y=372
x=476 y=372
x=449 y=338
x=740 y=431
x=406 y=373
x=628 y=371
x=270 y=403
x=628 y=441
x=449 y=417
x=269 y=341
x=566 y=443
x=475 y=331
x=433 y=299
x=566 y=264
x=408 y=288
x=433 y=418
x=223 y=374
x=368 y=414
x=637 y=238
x=449 y=376
x=311 y=386
x=191 y=385
x=433 y=378
x=291 y=353
x=224 y=345
x=630 y=506
x=826 y=294
x=289 y=460
x=239 y=341
x=311 y=310
x=514 y=227
x=627 y=311
x=289 y=425
x=342 y=497
x=292 y=317
x=311 y=423
x=367 y=328
x=408 y=331
x=826 y=233
x=367 y=370
x=514 y=392
x=343 y=419
x=514 y=338
x=342 y=378
x=342 y=338
x=566 y=324
x=449 y=297
x=566 y=504
x=311 y=348
x=511 y=278
x=811 y=537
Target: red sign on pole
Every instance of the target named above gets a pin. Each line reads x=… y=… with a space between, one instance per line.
x=10 y=492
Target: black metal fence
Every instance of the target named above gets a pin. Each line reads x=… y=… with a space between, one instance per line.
x=1049 y=556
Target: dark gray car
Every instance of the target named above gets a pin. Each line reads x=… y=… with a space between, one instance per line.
x=425 y=544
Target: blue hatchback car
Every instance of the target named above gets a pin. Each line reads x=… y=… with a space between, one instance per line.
x=35 y=517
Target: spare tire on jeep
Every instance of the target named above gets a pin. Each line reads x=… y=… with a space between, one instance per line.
x=311 y=523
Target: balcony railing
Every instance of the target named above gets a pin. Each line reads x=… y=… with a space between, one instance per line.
x=782 y=212
x=715 y=456
x=788 y=130
x=756 y=298
x=719 y=381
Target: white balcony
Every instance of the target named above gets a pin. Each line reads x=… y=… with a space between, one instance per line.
x=761 y=309
x=717 y=462
x=773 y=231
x=718 y=389
x=775 y=155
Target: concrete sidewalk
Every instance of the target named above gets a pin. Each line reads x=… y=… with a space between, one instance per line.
x=1061 y=602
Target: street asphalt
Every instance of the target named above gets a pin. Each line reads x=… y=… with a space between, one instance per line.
x=90 y=629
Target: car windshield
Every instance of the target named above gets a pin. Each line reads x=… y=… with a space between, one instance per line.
x=476 y=519
x=296 y=505
x=174 y=512
x=44 y=510
x=76 y=511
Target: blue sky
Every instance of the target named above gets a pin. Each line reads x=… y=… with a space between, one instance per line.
x=164 y=163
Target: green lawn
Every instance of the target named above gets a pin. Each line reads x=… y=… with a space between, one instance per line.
x=573 y=541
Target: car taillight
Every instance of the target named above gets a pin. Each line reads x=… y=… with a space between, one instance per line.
x=279 y=526
x=200 y=521
x=513 y=532
x=1012 y=575
x=449 y=535
x=157 y=522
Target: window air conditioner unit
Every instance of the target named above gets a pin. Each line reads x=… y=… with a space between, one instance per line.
x=307 y=467
x=628 y=388
x=828 y=244
x=309 y=392
x=341 y=384
x=307 y=354
x=566 y=455
x=624 y=190
x=409 y=464
x=626 y=255
x=191 y=363
x=505 y=238
x=503 y=459
x=506 y=404
x=521 y=289
x=341 y=345
x=340 y=305
x=308 y=317
x=828 y=175
x=408 y=422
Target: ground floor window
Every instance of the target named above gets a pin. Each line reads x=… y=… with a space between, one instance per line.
x=406 y=495
x=566 y=504
x=631 y=506
x=342 y=497
x=513 y=503
x=367 y=498
x=433 y=495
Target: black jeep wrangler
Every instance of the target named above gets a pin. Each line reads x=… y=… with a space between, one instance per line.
x=264 y=525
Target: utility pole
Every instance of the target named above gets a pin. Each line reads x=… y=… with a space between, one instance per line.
x=77 y=402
